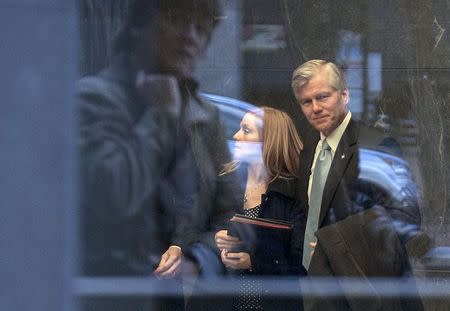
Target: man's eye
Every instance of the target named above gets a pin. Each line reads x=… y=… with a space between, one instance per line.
x=306 y=102
x=202 y=28
x=246 y=130
x=322 y=97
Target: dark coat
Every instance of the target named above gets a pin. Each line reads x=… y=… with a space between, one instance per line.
x=336 y=204
x=345 y=193
x=130 y=174
x=345 y=249
x=278 y=253
x=352 y=233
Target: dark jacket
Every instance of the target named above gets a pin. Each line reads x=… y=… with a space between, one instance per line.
x=345 y=249
x=135 y=197
x=272 y=251
x=350 y=245
x=345 y=193
x=278 y=253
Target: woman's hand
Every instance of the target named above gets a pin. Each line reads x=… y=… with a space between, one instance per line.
x=236 y=261
x=225 y=241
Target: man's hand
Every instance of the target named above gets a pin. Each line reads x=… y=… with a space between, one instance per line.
x=161 y=91
x=170 y=264
x=313 y=246
x=225 y=241
x=236 y=261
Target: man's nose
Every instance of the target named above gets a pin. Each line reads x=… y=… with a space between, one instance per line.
x=190 y=31
x=316 y=106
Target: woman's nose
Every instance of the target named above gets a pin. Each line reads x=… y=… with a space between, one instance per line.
x=237 y=135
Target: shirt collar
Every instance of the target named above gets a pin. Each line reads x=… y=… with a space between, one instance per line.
x=335 y=137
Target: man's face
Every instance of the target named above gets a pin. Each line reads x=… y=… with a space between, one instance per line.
x=323 y=106
x=182 y=38
x=176 y=38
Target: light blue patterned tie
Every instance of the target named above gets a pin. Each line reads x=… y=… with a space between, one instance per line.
x=320 y=174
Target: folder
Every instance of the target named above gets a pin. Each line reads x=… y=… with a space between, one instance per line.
x=253 y=231
x=262 y=222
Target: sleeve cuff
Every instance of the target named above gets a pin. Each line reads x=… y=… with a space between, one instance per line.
x=176 y=246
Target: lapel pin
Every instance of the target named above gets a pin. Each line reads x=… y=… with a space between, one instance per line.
x=343 y=156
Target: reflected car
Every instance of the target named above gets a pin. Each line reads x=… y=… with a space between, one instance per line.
x=389 y=173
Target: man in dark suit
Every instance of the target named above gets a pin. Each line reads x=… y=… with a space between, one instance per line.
x=322 y=93
x=330 y=190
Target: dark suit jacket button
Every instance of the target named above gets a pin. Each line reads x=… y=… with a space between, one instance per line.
x=275 y=261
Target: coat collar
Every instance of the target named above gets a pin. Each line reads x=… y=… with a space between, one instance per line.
x=334 y=138
x=196 y=110
x=306 y=160
x=286 y=187
x=345 y=151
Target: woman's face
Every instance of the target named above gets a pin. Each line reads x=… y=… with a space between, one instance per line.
x=250 y=129
x=248 y=145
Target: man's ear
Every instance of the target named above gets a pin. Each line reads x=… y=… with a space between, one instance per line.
x=345 y=96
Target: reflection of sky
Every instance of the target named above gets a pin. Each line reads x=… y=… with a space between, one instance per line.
x=374 y=63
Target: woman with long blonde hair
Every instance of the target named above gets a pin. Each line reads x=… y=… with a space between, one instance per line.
x=267 y=150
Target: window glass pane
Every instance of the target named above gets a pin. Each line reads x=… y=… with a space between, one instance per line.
x=188 y=115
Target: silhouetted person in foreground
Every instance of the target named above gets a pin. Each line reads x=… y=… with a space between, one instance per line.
x=151 y=149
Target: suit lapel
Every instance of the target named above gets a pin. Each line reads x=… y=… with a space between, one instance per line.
x=306 y=159
x=342 y=157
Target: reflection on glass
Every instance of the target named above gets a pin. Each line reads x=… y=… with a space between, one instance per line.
x=393 y=203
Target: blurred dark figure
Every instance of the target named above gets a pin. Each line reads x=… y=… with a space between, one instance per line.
x=151 y=149
x=352 y=229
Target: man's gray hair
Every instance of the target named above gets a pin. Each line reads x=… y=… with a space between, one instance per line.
x=308 y=70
